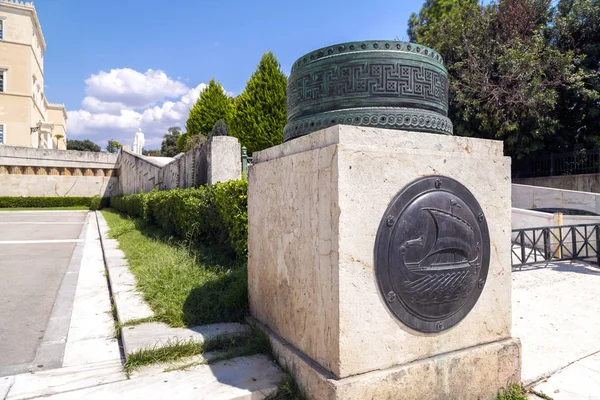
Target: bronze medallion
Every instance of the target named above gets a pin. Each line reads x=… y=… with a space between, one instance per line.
x=432 y=254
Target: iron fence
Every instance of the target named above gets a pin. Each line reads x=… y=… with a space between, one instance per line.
x=555 y=243
x=246 y=161
x=556 y=164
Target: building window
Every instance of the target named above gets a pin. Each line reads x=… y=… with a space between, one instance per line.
x=1 y=133
x=1 y=29
x=2 y=80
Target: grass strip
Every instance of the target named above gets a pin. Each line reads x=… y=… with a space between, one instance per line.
x=184 y=285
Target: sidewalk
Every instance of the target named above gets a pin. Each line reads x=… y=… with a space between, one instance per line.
x=556 y=315
x=92 y=366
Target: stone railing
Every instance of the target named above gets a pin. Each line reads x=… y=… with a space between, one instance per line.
x=28 y=171
x=217 y=160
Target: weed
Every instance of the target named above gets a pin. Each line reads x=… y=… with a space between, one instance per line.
x=172 y=351
x=287 y=389
x=512 y=392
x=229 y=346
x=541 y=395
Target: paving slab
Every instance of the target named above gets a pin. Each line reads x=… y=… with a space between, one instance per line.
x=6 y=383
x=555 y=314
x=157 y=334
x=242 y=378
x=50 y=382
x=578 y=381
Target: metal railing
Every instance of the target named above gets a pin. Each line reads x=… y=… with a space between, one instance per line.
x=555 y=243
x=246 y=162
x=557 y=164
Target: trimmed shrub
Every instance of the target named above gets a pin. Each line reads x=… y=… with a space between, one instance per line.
x=208 y=215
x=232 y=205
x=220 y=129
x=93 y=203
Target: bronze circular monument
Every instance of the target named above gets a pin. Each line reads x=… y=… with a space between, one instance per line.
x=383 y=84
x=432 y=254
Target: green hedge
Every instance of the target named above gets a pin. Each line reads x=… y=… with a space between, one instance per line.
x=93 y=203
x=208 y=215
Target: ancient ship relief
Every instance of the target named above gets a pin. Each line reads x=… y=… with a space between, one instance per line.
x=448 y=270
x=432 y=253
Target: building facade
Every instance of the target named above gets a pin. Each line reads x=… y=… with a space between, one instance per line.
x=27 y=118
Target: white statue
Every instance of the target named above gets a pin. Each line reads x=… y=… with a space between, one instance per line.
x=138 y=142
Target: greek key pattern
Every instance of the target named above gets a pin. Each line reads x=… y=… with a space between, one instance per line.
x=401 y=118
x=390 y=83
x=58 y=171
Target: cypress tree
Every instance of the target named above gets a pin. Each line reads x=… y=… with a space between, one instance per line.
x=212 y=105
x=260 y=112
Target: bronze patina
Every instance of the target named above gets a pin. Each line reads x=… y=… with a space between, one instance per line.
x=383 y=84
x=432 y=254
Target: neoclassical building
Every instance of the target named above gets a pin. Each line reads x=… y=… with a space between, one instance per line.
x=27 y=118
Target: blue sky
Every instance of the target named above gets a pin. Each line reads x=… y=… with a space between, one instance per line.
x=122 y=64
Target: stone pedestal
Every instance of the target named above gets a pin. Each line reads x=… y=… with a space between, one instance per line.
x=314 y=208
x=224 y=159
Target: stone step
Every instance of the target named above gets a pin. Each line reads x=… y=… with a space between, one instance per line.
x=157 y=334
x=58 y=381
x=251 y=378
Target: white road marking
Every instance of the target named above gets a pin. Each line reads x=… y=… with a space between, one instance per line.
x=40 y=211
x=40 y=223
x=40 y=241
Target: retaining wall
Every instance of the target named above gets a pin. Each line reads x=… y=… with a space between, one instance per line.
x=216 y=160
x=26 y=171
x=531 y=197
x=582 y=182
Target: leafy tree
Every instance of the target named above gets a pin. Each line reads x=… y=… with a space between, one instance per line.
x=152 y=153
x=260 y=111
x=113 y=146
x=505 y=75
x=220 y=129
x=181 y=140
x=577 y=29
x=168 y=147
x=192 y=142
x=82 y=145
x=212 y=105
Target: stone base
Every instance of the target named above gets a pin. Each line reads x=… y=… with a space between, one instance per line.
x=474 y=373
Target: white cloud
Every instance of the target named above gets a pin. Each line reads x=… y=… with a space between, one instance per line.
x=123 y=100
x=92 y=104
x=132 y=88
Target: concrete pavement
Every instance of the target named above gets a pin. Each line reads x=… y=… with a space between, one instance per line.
x=555 y=314
x=36 y=251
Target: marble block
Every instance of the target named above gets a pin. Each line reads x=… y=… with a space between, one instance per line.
x=224 y=159
x=314 y=207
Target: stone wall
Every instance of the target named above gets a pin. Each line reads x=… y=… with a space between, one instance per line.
x=216 y=160
x=46 y=172
x=582 y=182
x=28 y=171
x=138 y=173
x=530 y=197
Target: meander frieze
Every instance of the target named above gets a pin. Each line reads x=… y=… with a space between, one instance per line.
x=382 y=84
x=55 y=171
